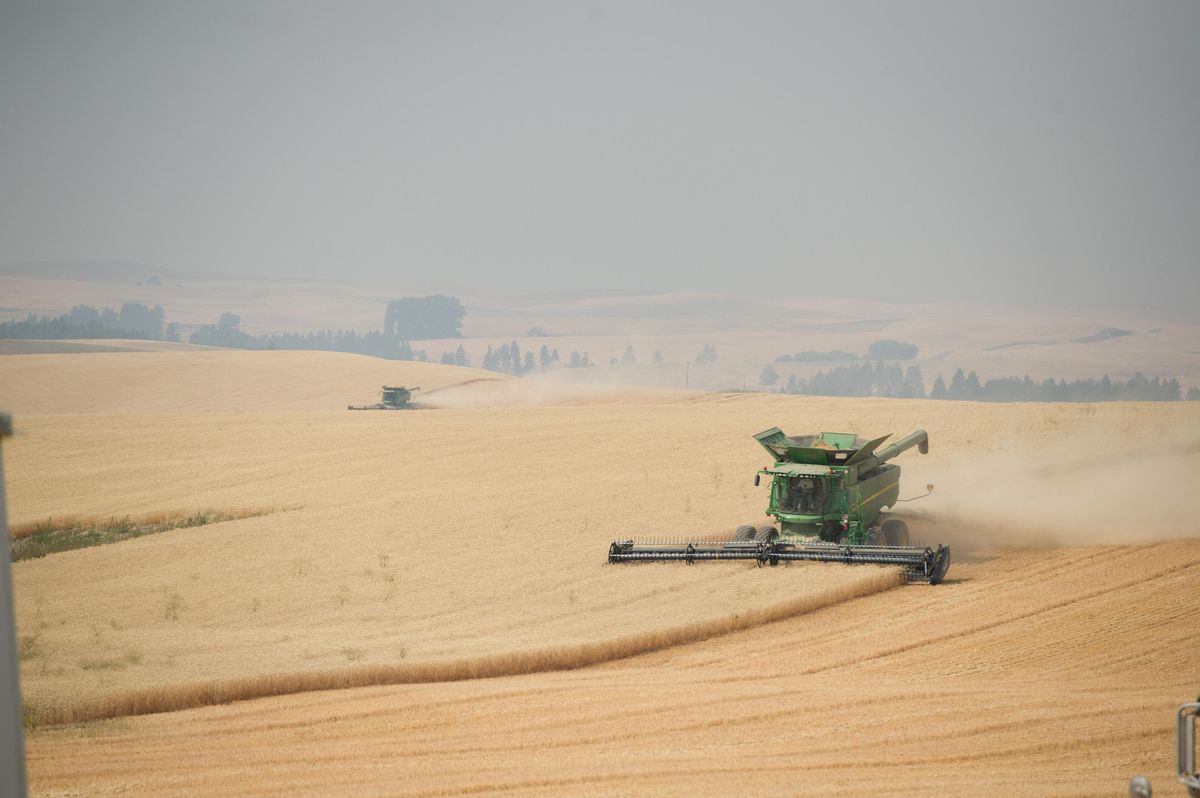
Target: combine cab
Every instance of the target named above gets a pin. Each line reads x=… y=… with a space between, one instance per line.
x=827 y=494
x=392 y=397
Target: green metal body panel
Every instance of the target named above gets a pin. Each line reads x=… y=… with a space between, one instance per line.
x=827 y=492
x=391 y=397
x=832 y=486
x=395 y=397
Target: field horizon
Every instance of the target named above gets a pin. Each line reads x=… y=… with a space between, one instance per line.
x=1040 y=337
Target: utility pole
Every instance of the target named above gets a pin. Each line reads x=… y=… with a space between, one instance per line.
x=687 y=374
x=12 y=732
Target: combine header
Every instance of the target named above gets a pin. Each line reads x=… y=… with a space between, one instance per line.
x=392 y=397
x=827 y=493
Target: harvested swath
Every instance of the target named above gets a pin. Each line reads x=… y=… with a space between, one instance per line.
x=558 y=658
x=932 y=687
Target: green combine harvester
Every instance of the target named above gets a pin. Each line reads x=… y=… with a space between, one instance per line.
x=392 y=397
x=827 y=494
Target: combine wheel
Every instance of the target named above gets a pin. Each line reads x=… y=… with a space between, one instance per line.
x=745 y=532
x=766 y=534
x=941 y=564
x=895 y=532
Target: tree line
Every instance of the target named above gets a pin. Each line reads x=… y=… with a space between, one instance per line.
x=863 y=379
x=890 y=380
x=227 y=333
x=405 y=320
x=134 y=320
x=1137 y=388
x=879 y=350
x=509 y=359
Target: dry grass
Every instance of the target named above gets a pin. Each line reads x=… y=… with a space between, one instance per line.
x=35 y=539
x=157 y=519
x=559 y=658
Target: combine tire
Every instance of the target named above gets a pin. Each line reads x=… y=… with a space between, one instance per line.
x=940 y=566
x=744 y=533
x=766 y=534
x=895 y=532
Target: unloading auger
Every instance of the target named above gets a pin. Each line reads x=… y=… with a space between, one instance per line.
x=827 y=495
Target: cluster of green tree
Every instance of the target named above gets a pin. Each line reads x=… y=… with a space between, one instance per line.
x=1023 y=389
x=878 y=350
x=627 y=359
x=509 y=360
x=456 y=358
x=882 y=379
x=420 y=318
x=891 y=350
x=707 y=356
x=864 y=379
x=812 y=356
x=133 y=320
x=410 y=318
x=227 y=333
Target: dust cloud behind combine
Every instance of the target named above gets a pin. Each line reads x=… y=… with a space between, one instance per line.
x=1088 y=487
x=553 y=388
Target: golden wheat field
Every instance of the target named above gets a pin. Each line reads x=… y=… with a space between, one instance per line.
x=418 y=603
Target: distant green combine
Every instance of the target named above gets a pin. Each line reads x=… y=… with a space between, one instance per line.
x=392 y=397
x=827 y=494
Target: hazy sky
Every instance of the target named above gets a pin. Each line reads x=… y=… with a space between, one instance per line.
x=1046 y=151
